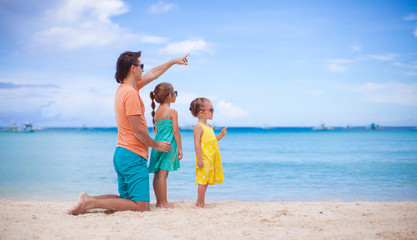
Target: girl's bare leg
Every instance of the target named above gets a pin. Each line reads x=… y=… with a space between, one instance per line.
x=87 y=202
x=163 y=175
x=201 y=196
x=156 y=188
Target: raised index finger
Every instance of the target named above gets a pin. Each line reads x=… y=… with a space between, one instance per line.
x=185 y=57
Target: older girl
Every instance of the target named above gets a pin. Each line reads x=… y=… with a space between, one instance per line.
x=165 y=121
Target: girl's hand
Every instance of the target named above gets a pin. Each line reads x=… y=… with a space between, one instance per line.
x=224 y=131
x=179 y=154
x=200 y=163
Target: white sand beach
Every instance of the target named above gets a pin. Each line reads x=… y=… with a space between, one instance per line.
x=226 y=220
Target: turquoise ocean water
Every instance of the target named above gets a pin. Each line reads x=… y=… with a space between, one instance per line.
x=278 y=164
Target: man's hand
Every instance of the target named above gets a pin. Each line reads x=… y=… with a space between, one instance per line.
x=163 y=146
x=156 y=72
x=182 y=60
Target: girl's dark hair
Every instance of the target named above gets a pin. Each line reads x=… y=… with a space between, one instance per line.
x=125 y=61
x=160 y=93
x=197 y=105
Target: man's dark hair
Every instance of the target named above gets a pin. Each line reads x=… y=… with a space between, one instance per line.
x=125 y=61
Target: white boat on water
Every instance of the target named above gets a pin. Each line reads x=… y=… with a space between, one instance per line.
x=27 y=127
x=322 y=127
x=374 y=126
x=187 y=127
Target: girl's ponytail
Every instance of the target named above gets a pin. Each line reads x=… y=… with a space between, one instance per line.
x=153 y=110
x=159 y=95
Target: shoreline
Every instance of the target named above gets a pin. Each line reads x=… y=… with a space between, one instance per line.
x=227 y=220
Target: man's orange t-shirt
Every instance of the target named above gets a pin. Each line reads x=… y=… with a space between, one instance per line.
x=127 y=103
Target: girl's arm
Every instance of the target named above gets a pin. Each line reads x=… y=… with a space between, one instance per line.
x=198 y=133
x=176 y=130
x=222 y=134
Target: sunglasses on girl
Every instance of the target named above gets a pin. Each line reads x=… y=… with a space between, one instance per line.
x=175 y=93
x=211 y=109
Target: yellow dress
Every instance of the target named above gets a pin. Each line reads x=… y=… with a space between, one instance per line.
x=212 y=171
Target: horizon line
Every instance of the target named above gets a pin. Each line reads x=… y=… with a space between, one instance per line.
x=218 y=126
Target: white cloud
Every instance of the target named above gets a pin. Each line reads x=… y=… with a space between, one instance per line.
x=342 y=65
x=356 y=48
x=224 y=112
x=391 y=92
x=228 y=110
x=316 y=92
x=73 y=10
x=152 y=39
x=86 y=24
x=160 y=7
x=186 y=98
x=410 y=74
x=24 y=99
x=194 y=46
x=338 y=65
x=383 y=57
x=69 y=103
x=411 y=17
x=333 y=67
x=81 y=105
x=85 y=35
x=412 y=65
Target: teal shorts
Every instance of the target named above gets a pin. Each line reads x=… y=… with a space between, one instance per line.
x=132 y=175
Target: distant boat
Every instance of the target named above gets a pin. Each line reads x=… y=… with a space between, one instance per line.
x=322 y=127
x=375 y=126
x=266 y=127
x=27 y=128
x=188 y=127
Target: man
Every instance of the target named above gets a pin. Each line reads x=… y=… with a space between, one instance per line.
x=133 y=140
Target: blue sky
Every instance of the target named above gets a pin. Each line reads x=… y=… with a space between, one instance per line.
x=262 y=63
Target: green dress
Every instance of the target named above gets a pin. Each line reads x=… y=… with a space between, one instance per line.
x=162 y=160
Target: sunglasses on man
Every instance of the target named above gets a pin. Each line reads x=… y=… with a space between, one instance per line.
x=141 y=66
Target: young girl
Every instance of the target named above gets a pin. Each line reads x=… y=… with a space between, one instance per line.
x=165 y=122
x=208 y=168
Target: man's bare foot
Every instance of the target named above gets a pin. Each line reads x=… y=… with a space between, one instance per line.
x=82 y=205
